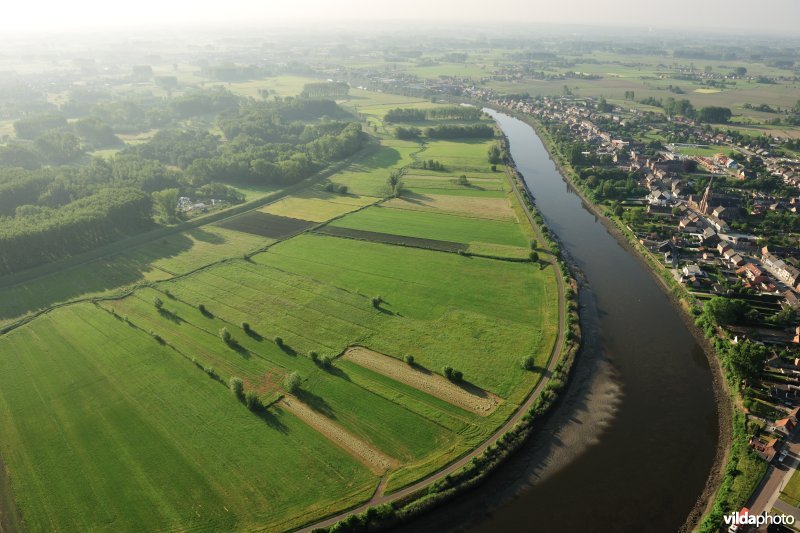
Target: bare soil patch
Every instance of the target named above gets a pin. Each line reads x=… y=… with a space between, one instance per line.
x=467 y=397
x=373 y=458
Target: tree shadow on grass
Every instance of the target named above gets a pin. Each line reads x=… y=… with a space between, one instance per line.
x=472 y=389
x=172 y=316
x=385 y=311
x=234 y=345
x=413 y=197
x=421 y=369
x=336 y=371
x=288 y=350
x=272 y=418
x=254 y=335
x=206 y=236
x=317 y=403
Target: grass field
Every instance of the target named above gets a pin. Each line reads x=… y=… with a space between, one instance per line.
x=791 y=492
x=315 y=293
x=368 y=176
x=483 y=206
x=432 y=225
x=116 y=414
x=444 y=307
x=704 y=151
x=137 y=438
x=316 y=206
x=160 y=259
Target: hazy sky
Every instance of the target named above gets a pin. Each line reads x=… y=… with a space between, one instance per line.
x=762 y=16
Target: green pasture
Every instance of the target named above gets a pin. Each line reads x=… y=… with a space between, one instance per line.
x=105 y=428
x=432 y=225
x=368 y=176
x=445 y=312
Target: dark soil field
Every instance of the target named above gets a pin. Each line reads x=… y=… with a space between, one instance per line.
x=266 y=225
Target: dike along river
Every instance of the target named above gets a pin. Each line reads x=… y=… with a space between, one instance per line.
x=631 y=445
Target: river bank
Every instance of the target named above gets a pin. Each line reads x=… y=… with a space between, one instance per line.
x=676 y=295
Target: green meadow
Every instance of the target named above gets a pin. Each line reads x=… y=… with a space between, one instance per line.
x=135 y=437
x=432 y=225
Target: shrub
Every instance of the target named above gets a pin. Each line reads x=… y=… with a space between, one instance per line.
x=314 y=356
x=326 y=361
x=529 y=363
x=237 y=386
x=409 y=360
x=292 y=382
x=534 y=256
x=376 y=302
x=225 y=335
x=211 y=372
x=448 y=372
x=157 y=337
x=278 y=341
x=534 y=244
x=246 y=327
x=158 y=303
x=343 y=189
x=168 y=293
x=202 y=308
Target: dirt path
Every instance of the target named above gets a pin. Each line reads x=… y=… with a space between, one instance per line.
x=555 y=356
x=480 y=402
x=376 y=460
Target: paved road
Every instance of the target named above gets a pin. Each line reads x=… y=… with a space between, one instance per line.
x=379 y=498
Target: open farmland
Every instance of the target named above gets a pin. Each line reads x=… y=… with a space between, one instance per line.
x=140 y=376
x=438 y=310
x=123 y=448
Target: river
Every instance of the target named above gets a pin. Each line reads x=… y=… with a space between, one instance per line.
x=632 y=443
